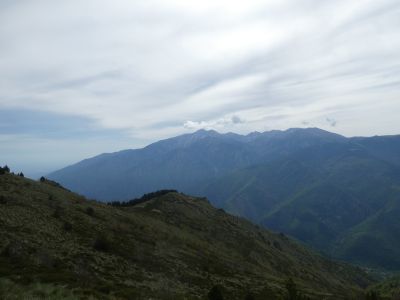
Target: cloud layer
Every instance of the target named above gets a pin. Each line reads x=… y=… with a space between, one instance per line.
x=146 y=70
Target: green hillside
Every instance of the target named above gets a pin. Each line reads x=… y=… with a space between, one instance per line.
x=387 y=289
x=382 y=229
x=324 y=189
x=57 y=244
x=342 y=205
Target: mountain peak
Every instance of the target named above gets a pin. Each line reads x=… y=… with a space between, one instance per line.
x=206 y=132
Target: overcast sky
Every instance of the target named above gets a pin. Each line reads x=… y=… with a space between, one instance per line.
x=80 y=77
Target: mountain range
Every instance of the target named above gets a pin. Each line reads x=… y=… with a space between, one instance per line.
x=339 y=195
x=58 y=245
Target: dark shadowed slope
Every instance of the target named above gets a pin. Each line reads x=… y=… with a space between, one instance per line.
x=169 y=247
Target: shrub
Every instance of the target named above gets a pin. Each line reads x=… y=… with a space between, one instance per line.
x=4 y=170
x=249 y=296
x=90 y=211
x=371 y=295
x=67 y=226
x=268 y=293
x=102 y=243
x=215 y=293
x=57 y=212
x=277 y=245
x=144 y=198
x=3 y=200
x=292 y=292
x=291 y=288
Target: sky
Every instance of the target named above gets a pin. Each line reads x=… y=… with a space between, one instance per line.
x=79 y=78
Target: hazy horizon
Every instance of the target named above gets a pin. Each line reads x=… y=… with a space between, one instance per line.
x=80 y=79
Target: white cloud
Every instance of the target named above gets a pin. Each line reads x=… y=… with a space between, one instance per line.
x=223 y=124
x=136 y=65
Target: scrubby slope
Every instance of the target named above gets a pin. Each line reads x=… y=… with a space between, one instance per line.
x=170 y=247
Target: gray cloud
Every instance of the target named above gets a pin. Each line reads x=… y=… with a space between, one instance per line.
x=156 y=69
x=236 y=120
x=331 y=122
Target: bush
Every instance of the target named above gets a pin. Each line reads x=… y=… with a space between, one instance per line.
x=291 y=288
x=215 y=293
x=268 y=293
x=102 y=243
x=371 y=295
x=67 y=226
x=292 y=292
x=4 y=170
x=144 y=198
x=90 y=211
x=57 y=212
x=249 y=296
x=3 y=200
x=277 y=245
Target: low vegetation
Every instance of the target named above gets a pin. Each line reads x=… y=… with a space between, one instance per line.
x=142 y=199
x=170 y=246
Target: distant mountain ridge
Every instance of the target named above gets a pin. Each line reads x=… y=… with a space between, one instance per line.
x=329 y=191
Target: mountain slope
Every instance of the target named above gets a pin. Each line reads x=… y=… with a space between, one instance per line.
x=182 y=163
x=375 y=240
x=187 y=163
x=346 y=197
x=169 y=247
x=312 y=184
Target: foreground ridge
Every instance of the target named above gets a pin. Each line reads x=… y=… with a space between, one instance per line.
x=169 y=247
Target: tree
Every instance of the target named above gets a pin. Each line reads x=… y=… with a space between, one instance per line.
x=42 y=179
x=67 y=226
x=21 y=174
x=371 y=295
x=249 y=296
x=292 y=292
x=215 y=293
x=291 y=288
x=102 y=243
x=90 y=211
x=4 y=170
